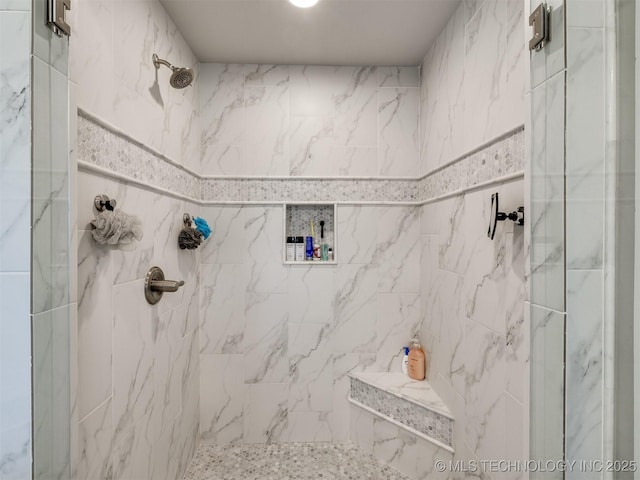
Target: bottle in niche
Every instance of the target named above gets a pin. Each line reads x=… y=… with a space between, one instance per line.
x=299 y=249
x=330 y=254
x=417 y=364
x=308 y=248
x=291 y=249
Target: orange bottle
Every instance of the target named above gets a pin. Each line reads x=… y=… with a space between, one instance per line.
x=417 y=364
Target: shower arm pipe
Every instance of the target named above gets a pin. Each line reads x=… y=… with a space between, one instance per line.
x=157 y=61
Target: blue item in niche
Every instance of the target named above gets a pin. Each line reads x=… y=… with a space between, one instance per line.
x=202 y=226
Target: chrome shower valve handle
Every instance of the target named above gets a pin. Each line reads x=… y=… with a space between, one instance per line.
x=155 y=285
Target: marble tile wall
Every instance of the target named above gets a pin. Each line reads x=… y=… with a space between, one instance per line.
x=53 y=217
x=110 y=61
x=472 y=81
x=473 y=321
x=137 y=400
x=138 y=393
x=277 y=342
x=415 y=457
x=546 y=140
x=15 y=254
x=266 y=120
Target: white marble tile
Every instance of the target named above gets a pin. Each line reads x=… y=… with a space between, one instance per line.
x=398 y=321
x=266 y=75
x=355 y=309
x=189 y=419
x=222 y=397
x=354 y=161
x=485 y=383
x=224 y=160
x=227 y=241
x=188 y=312
x=51 y=394
x=398 y=132
x=309 y=427
x=585 y=147
x=547 y=375
x=310 y=146
x=264 y=270
x=91 y=56
x=517 y=416
x=17 y=5
x=358 y=233
x=265 y=413
x=442 y=96
x=265 y=339
x=356 y=104
x=133 y=454
x=343 y=363
x=15 y=151
x=398 y=249
x=584 y=368
x=310 y=294
x=411 y=455
x=267 y=128
x=167 y=371
x=585 y=13
x=221 y=105
x=134 y=326
x=398 y=76
x=547 y=194
x=430 y=219
x=315 y=75
x=314 y=99
x=222 y=315
x=517 y=352
x=310 y=368
x=50 y=220
x=95 y=443
x=445 y=321
x=484 y=73
x=95 y=324
x=15 y=370
x=361 y=428
x=168 y=448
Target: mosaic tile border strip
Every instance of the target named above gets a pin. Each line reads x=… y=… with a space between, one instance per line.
x=304 y=190
x=421 y=419
x=498 y=159
x=101 y=146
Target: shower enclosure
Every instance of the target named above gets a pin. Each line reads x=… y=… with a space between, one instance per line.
x=582 y=163
x=582 y=136
x=37 y=260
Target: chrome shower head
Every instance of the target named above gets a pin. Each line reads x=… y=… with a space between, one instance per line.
x=181 y=77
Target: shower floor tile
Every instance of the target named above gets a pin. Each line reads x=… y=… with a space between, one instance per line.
x=288 y=461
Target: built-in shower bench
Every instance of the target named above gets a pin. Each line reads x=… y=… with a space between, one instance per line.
x=409 y=404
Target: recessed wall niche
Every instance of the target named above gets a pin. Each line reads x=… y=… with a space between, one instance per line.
x=297 y=223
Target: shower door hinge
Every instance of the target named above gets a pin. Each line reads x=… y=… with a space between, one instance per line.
x=539 y=20
x=56 y=13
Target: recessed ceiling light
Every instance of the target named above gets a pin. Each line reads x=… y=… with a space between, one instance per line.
x=303 y=3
